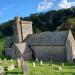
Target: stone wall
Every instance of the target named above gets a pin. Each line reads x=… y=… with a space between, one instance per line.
x=50 y=52
x=23 y=50
x=70 y=47
x=26 y=28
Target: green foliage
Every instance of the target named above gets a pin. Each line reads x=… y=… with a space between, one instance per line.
x=47 y=21
x=68 y=25
x=6 y=28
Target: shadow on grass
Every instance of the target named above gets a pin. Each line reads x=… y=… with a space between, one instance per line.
x=13 y=73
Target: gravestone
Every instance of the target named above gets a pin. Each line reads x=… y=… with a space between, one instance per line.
x=11 y=67
x=1 y=70
x=41 y=62
x=51 y=61
x=19 y=63
x=37 y=60
x=33 y=64
x=24 y=69
x=62 y=64
x=60 y=68
x=11 y=61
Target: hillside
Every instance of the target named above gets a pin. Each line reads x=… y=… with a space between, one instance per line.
x=47 y=21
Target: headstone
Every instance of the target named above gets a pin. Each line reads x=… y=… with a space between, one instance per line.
x=62 y=64
x=19 y=63
x=11 y=67
x=41 y=62
x=60 y=68
x=11 y=61
x=51 y=61
x=37 y=60
x=33 y=64
x=1 y=70
x=24 y=69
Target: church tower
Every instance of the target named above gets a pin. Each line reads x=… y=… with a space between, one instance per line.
x=21 y=29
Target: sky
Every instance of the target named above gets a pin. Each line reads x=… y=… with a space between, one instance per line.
x=11 y=8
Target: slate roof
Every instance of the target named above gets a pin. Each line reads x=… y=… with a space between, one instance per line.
x=48 y=38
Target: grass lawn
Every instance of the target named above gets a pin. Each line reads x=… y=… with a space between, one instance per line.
x=45 y=69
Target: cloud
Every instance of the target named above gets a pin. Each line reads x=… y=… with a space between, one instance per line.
x=44 y=5
x=65 y=4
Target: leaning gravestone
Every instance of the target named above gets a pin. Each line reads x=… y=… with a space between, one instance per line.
x=19 y=63
x=24 y=69
x=1 y=70
x=11 y=67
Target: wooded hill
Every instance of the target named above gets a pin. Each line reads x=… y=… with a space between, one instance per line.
x=63 y=19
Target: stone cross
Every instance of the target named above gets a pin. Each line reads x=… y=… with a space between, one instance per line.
x=24 y=69
x=1 y=70
x=33 y=64
x=41 y=62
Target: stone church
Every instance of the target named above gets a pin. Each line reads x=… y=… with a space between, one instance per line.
x=58 y=45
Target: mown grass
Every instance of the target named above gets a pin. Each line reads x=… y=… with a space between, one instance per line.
x=45 y=69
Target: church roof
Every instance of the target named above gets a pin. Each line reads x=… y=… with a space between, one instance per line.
x=48 y=38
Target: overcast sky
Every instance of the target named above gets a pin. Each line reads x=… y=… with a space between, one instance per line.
x=11 y=8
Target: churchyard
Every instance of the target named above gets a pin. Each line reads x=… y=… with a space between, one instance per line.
x=37 y=67
x=47 y=68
